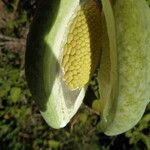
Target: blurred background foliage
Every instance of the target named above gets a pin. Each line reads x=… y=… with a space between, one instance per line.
x=21 y=125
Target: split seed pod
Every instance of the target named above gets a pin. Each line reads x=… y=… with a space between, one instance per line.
x=64 y=49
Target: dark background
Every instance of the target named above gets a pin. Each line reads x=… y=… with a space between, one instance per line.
x=21 y=125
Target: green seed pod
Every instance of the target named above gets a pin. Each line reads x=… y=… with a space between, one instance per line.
x=125 y=95
x=63 y=49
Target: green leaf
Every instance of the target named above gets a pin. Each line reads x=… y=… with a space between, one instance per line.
x=96 y=106
x=15 y=94
x=53 y=144
x=83 y=117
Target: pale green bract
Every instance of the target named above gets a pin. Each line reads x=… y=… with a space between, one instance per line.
x=56 y=102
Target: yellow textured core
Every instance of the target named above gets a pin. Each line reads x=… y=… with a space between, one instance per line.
x=81 y=51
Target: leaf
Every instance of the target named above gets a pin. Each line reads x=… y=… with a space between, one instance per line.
x=53 y=144
x=15 y=94
x=96 y=106
x=83 y=117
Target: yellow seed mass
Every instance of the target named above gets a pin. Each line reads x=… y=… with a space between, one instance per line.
x=81 y=51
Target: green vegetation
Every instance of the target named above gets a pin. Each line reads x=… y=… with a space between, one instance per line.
x=21 y=125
